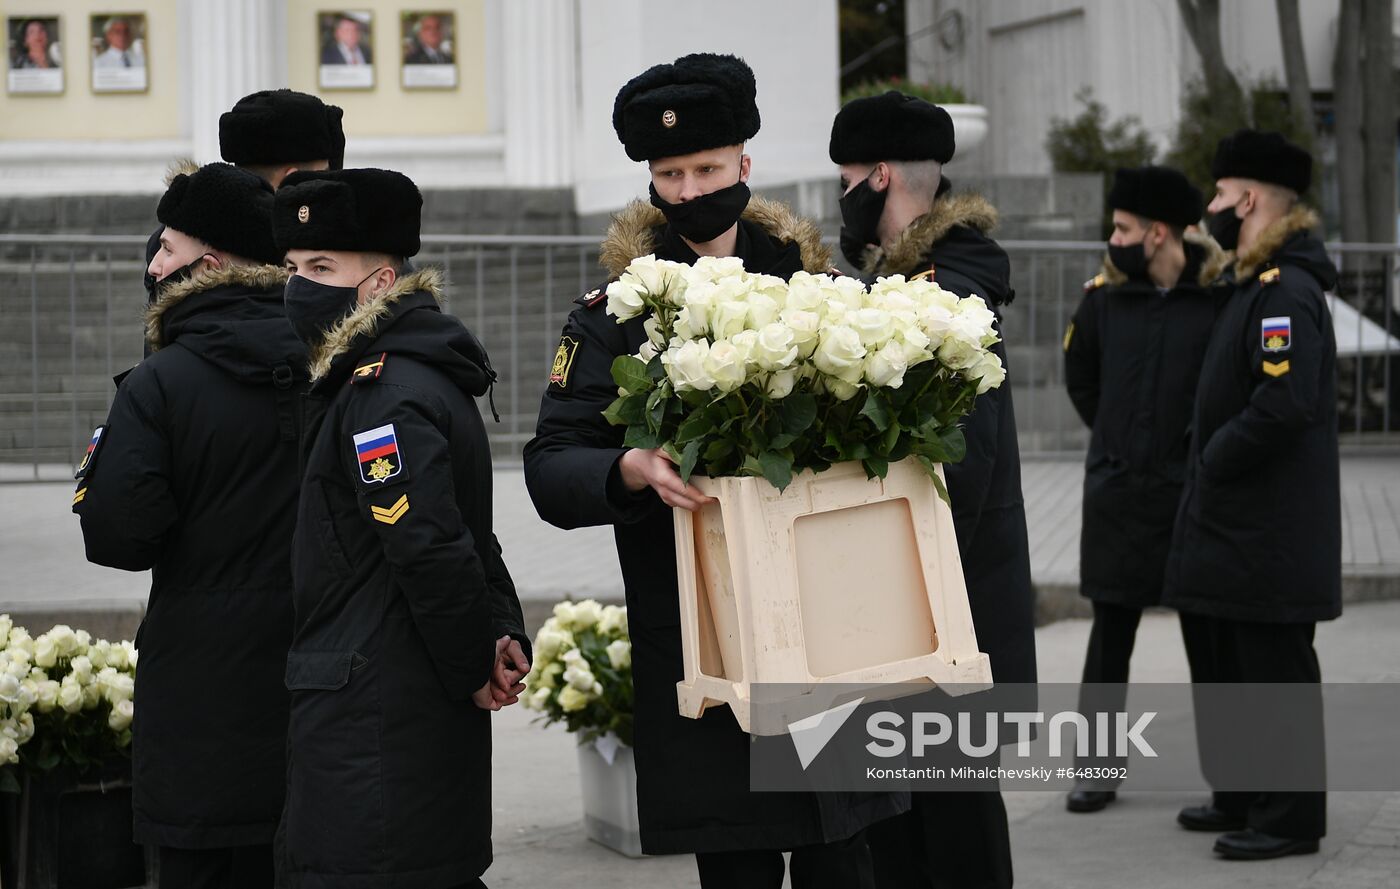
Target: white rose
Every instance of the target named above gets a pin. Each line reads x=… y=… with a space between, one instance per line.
x=551 y=642
x=6 y=625
x=976 y=314
x=624 y=301
x=780 y=383
x=886 y=367
x=92 y=695
x=70 y=696
x=763 y=310
x=97 y=653
x=843 y=390
x=64 y=639
x=729 y=317
x=81 y=668
x=45 y=651
x=26 y=728
x=84 y=640
x=806 y=326
x=47 y=699
x=726 y=365
x=120 y=717
x=698 y=308
x=651 y=276
x=959 y=354
x=875 y=326
x=564 y=614
x=118 y=687
x=849 y=292
x=804 y=292
x=988 y=373
x=9 y=688
x=646 y=352
x=746 y=343
x=685 y=366
x=916 y=344
x=620 y=654
x=538 y=699
x=9 y=751
x=652 y=328
x=571 y=700
x=20 y=638
x=712 y=268
x=613 y=621
x=840 y=353
x=132 y=655
x=776 y=347
x=586 y=614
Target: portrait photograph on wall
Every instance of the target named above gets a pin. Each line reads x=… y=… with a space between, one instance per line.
x=347 y=49
x=429 y=50
x=119 y=53
x=36 y=58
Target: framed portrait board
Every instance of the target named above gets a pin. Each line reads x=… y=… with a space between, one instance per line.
x=428 y=42
x=118 y=52
x=35 y=60
x=346 y=49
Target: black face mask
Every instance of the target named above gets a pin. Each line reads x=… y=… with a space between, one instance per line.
x=1225 y=228
x=1130 y=259
x=861 y=208
x=708 y=216
x=183 y=273
x=314 y=308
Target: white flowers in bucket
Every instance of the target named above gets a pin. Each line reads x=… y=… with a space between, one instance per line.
x=64 y=698
x=582 y=674
x=746 y=374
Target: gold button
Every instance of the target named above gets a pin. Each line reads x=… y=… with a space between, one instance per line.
x=304 y=214
x=668 y=119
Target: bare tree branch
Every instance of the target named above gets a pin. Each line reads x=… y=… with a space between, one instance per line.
x=1348 y=107
x=1378 y=120
x=1295 y=66
x=1202 y=19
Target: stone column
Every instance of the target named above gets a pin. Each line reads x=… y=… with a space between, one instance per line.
x=540 y=64
x=237 y=45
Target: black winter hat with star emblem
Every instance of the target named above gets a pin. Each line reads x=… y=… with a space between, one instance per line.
x=1264 y=156
x=891 y=127
x=696 y=103
x=225 y=207
x=362 y=211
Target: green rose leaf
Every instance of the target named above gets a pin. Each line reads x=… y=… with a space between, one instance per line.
x=874 y=408
x=641 y=437
x=689 y=457
x=876 y=467
x=697 y=425
x=717 y=449
x=776 y=468
x=627 y=410
x=799 y=412
x=932 y=471
x=631 y=374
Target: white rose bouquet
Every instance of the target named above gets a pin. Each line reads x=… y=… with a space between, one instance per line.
x=582 y=675
x=65 y=698
x=749 y=375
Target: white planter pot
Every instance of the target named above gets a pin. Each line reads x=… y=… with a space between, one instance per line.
x=610 y=797
x=969 y=125
x=838 y=580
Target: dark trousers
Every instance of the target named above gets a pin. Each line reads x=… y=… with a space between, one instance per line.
x=841 y=865
x=1220 y=650
x=952 y=840
x=240 y=867
x=1105 y=688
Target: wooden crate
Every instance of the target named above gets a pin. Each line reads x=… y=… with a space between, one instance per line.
x=838 y=579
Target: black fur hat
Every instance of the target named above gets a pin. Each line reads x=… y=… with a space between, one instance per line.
x=698 y=102
x=1265 y=156
x=225 y=207
x=281 y=126
x=363 y=211
x=1159 y=193
x=892 y=127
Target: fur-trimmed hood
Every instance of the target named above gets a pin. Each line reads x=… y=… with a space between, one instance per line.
x=365 y=319
x=906 y=255
x=633 y=233
x=249 y=277
x=1299 y=219
x=405 y=322
x=1212 y=263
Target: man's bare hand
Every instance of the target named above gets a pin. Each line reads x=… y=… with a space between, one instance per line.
x=654 y=469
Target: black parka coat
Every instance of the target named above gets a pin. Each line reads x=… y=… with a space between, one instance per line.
x=400 y=594
x=1132 y=358
x=194 y=476
x=989 y=513
x=692 y=774
x=1259 y=533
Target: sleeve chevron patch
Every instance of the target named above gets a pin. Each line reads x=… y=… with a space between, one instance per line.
x=391 y=514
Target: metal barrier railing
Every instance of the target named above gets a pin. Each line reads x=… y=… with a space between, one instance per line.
x=71 y=316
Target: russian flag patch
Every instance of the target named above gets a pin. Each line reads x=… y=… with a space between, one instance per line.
x=1276 y=334
x=377 y=453
x=91 y=452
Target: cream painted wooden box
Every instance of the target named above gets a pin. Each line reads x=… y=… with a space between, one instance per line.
x=838 y=579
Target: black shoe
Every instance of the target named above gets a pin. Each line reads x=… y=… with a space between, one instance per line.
x=1251 y=845
x=1209 y=819
x=1089 y=800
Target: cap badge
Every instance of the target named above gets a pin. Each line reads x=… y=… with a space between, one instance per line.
x=304 y=214
x=668 y=118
